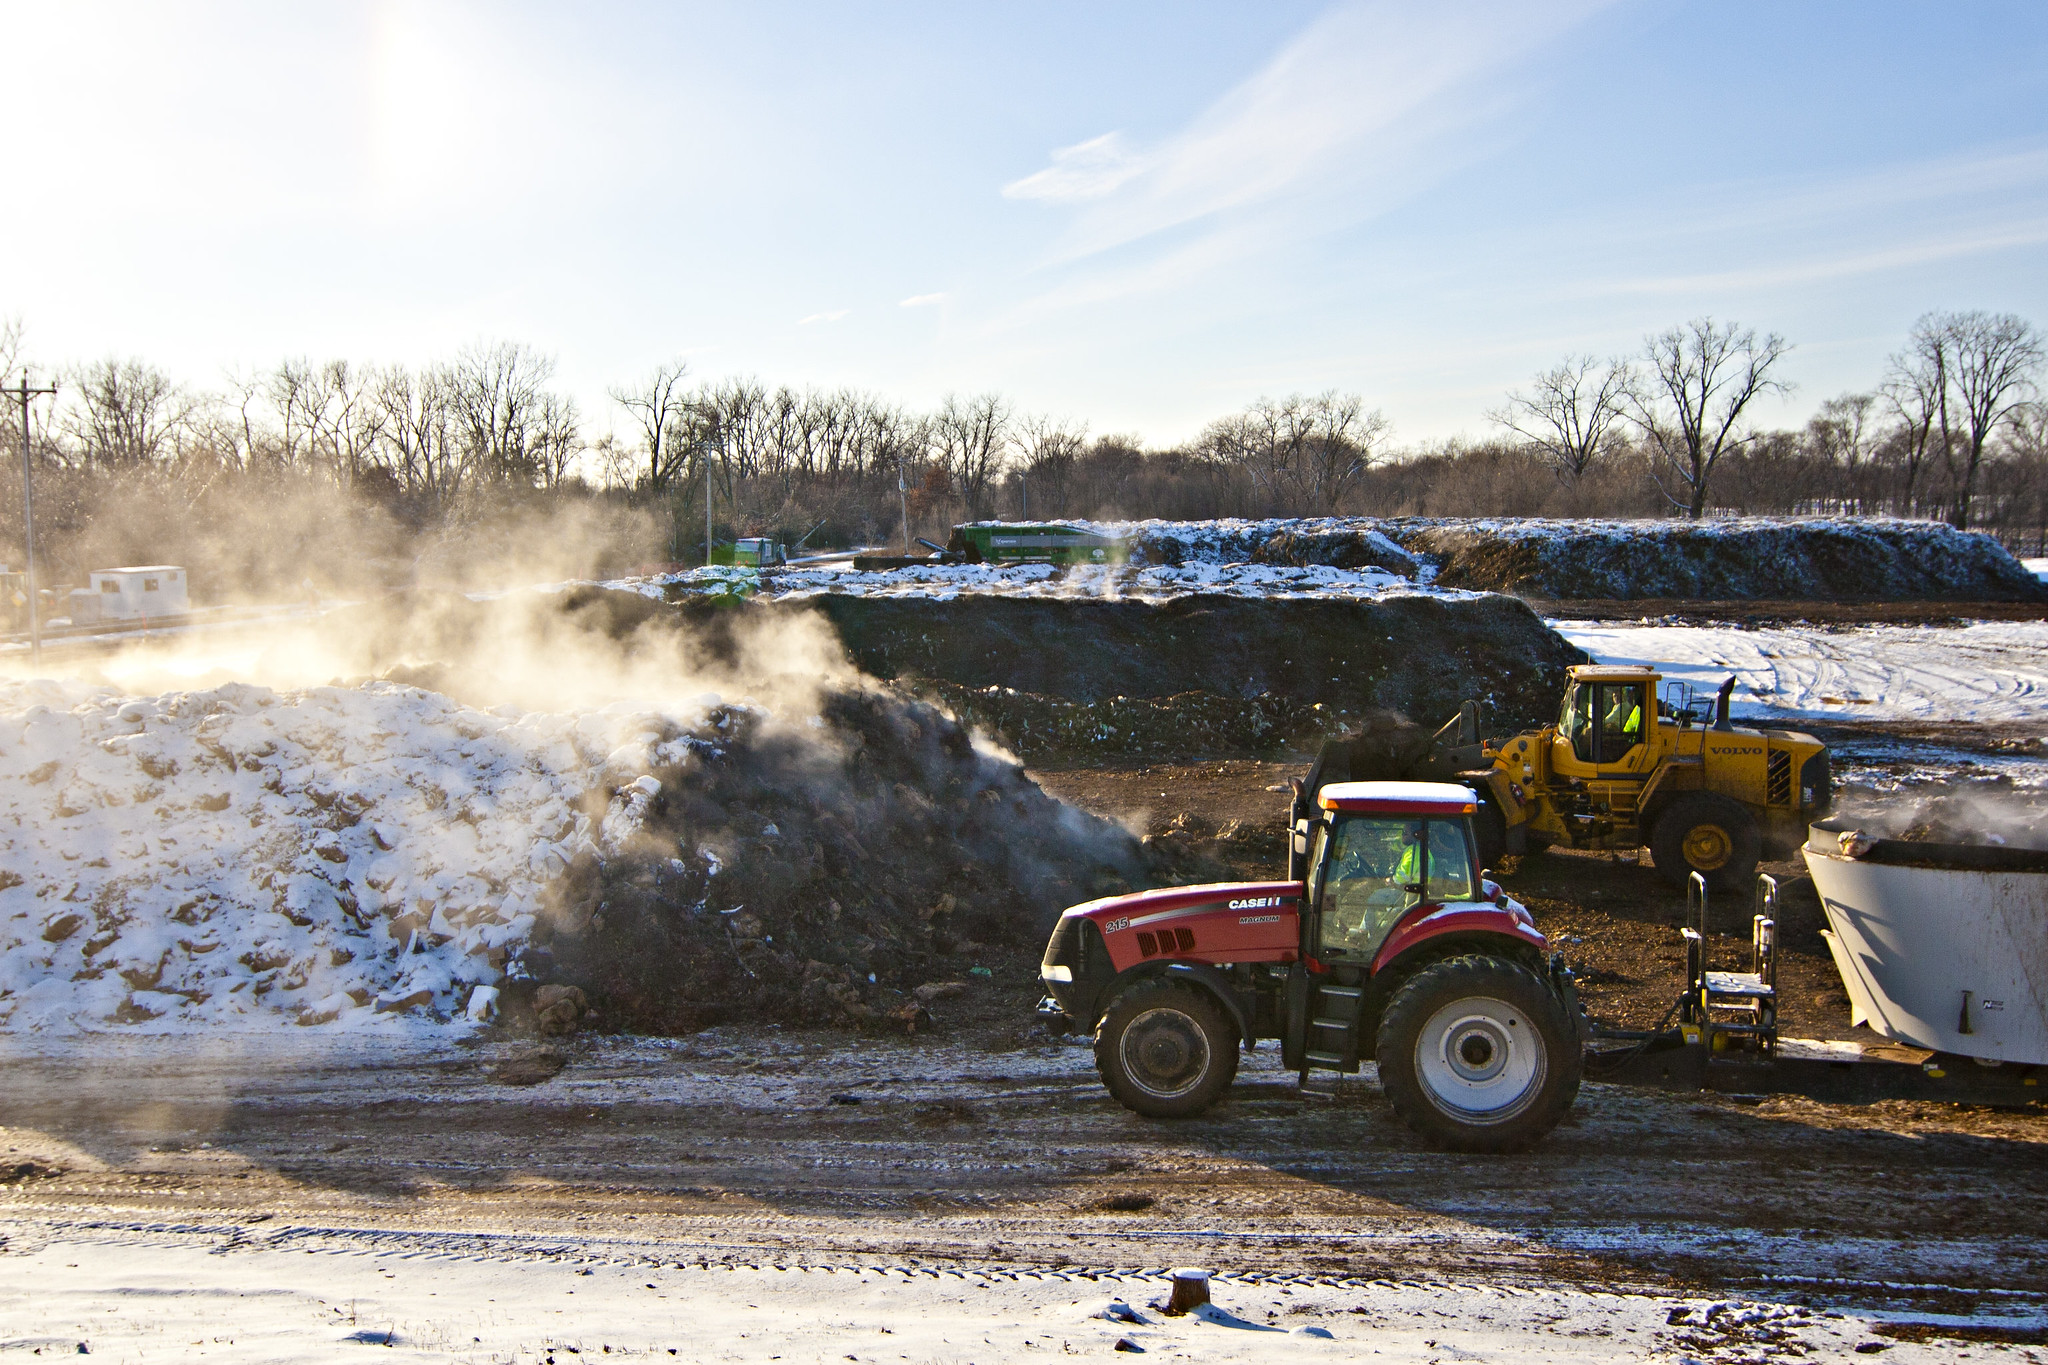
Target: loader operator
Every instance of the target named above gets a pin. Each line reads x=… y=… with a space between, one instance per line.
x=1624 y=719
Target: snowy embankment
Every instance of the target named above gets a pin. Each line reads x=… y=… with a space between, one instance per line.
x=1820 y=559
x=341 y=856
x=1987 y=672
x=1134 y=582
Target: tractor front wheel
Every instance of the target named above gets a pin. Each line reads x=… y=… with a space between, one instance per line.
x=1709 y=834
x=1165 y=1050
x=1477 y=1054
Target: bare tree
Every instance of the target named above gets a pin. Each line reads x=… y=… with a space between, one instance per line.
x=971 y=436
x=557 y=439
x=496 y=399
x=1572 y=414
x=1912 y=389
x=1339 y=443
x=1983 y=367
x=419 y=443
x=1701 y=379
x=661 y=407
x=125 y=413
x=345 y=421
x=1050 y=446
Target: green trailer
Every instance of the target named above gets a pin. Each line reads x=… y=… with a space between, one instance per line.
x=994 y=542
x=751 y=552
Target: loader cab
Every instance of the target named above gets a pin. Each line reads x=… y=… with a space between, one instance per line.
x=1375 y=857
x=1606 y=725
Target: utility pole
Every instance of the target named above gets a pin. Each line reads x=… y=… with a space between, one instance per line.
x=903 y=495
x=23 y=393
x=709 y=441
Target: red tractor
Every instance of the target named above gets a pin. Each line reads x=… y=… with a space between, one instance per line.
x=1388 y=943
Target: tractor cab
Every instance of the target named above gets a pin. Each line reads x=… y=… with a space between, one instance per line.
x=1382 y=850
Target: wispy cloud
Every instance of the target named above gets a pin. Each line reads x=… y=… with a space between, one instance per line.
x=1360 y=96
x=833 y=316
x=1086 y=170
x=922 y=300
x=1837 y=265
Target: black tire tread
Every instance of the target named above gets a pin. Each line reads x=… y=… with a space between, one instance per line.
x=1197 y=1004
x=1418 y=997
x=1667 y=840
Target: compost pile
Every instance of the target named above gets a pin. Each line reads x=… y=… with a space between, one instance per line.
x=852 y=870
x=1201 y=675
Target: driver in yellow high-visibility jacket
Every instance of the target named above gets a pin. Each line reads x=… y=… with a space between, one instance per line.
x=1408 y=872
x=1631 y=727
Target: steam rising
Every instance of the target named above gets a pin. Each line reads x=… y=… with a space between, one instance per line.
x=364 y=816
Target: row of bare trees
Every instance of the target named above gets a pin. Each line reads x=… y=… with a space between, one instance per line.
x=1955 y=428
x=1965 y=385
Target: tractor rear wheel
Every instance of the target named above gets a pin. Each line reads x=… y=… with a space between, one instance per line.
x=1477 y=1054
x=1706 y=833
x=1165 y=1050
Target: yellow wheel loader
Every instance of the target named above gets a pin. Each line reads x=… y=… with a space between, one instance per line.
x=1633 y=761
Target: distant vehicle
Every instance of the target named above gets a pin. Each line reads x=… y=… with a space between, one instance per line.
x=143 y=593
x=1389 y=944
x=756 y=552
x=994 y=542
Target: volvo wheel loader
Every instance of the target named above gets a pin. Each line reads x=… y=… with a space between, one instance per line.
x=1632 y=762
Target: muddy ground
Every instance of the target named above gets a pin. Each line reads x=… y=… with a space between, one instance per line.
x=979 y=1141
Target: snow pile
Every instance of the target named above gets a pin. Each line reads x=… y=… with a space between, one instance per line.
x=1372 y=559
x=1111 y=582
x=1986 y=672
x=1820 y=558
x=329 y=856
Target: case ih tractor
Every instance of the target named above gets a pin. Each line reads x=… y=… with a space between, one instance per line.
x=1632 y=761
x=1389 y=944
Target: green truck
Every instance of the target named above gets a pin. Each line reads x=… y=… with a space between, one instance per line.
x=995 y=542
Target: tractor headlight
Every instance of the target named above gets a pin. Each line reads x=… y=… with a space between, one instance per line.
x=1062 y=974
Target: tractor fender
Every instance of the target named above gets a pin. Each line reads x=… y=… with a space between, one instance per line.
x=1198 y=974
x=1516 y=934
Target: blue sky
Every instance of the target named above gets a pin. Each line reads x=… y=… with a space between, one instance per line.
x=1138 y=215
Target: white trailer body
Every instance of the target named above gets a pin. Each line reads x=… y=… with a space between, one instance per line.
x=143 y=593
x=1951 y=959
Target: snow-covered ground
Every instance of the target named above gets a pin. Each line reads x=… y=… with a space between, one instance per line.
x=337 y=856
x=945 y=582
x=1989 y=673
x=1985 y=672
x=264 y=1292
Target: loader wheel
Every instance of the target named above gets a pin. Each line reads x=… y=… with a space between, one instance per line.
x=1166 y=1051
x=1708 y=834
x=1477 y=1054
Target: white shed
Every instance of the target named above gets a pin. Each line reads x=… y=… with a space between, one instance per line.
x=141 y=594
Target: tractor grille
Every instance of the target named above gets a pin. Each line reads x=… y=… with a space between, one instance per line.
x=1166 y=941
x=1778 y=779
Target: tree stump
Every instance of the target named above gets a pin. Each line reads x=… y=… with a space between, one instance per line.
x=1190 y=1291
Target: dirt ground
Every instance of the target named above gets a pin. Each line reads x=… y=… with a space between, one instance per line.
x=982 y=1142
